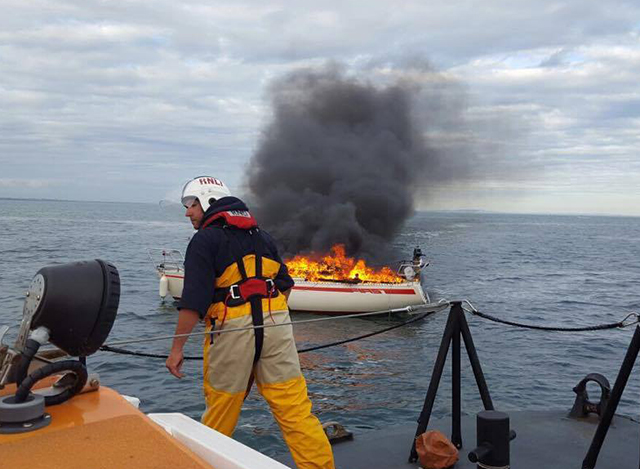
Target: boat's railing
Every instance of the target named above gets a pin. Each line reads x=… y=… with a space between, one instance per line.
x=166 y=259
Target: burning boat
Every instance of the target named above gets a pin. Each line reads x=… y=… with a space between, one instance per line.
x=337 y=284
x=330 y=284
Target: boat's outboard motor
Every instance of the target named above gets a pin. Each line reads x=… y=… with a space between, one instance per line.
x=411 y=269
x=417 y=254
x=73 y=306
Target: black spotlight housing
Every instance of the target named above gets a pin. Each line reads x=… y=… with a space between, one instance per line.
x=78 y=303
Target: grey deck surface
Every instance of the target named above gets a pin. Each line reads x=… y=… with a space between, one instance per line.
x=546 y=439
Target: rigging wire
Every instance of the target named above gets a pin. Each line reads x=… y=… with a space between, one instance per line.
x=629 y=320
x=442 y=304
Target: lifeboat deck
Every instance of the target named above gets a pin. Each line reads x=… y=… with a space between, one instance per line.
x=545 y=439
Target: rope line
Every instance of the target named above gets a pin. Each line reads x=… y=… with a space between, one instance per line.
x=108 y=348
x=370 y=334
x=600 y=327
x=629 y=320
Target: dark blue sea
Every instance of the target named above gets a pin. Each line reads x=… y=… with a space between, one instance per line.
x=537 y=269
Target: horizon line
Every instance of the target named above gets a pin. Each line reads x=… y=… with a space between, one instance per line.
x=434 y=210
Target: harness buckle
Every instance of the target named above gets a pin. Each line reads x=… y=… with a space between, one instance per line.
x=234 y=291
x=270 y=285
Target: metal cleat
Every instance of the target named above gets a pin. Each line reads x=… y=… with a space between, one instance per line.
x=336 y=432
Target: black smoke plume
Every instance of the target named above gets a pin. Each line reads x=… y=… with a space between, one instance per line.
x=339 y=162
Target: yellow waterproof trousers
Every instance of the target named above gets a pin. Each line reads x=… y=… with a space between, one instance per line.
x=228 y=365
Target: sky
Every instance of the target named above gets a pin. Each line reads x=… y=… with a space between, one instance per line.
x=126 y=100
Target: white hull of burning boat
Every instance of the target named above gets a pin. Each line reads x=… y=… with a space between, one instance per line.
x=345 y=298
x=326 y=297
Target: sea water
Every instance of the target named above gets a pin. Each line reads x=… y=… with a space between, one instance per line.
x=555 y=270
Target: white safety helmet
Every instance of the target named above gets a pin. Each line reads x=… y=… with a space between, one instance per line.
x=206 y=189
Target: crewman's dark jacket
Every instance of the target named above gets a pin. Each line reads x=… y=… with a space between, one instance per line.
x=209 y=260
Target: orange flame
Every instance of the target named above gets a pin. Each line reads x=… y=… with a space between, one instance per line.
x=338 y=267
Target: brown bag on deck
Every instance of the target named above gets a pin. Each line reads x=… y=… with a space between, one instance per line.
x=435 y=451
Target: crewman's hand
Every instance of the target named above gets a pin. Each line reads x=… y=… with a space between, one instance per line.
x=174 y=363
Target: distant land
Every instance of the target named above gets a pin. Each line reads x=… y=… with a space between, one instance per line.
x=497 y=212
x=465 y=210
x=17 y=199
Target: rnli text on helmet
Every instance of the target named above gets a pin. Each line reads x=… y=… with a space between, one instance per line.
x=208 y=180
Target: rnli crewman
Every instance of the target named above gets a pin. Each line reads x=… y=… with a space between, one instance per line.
x=235 y=278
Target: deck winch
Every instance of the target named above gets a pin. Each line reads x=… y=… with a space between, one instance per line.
x=72 y=306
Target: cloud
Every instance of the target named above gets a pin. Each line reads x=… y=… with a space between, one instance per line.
x=135 y=94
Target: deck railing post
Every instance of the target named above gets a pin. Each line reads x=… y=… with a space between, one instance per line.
x=438 y=367
x=591 y=458
x=475 y=362
x=456 y=431
x=456 y=326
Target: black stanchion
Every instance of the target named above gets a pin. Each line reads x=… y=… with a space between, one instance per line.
x=456 y=430
x=456 y=326
x=475 y=362
x=590 y=459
